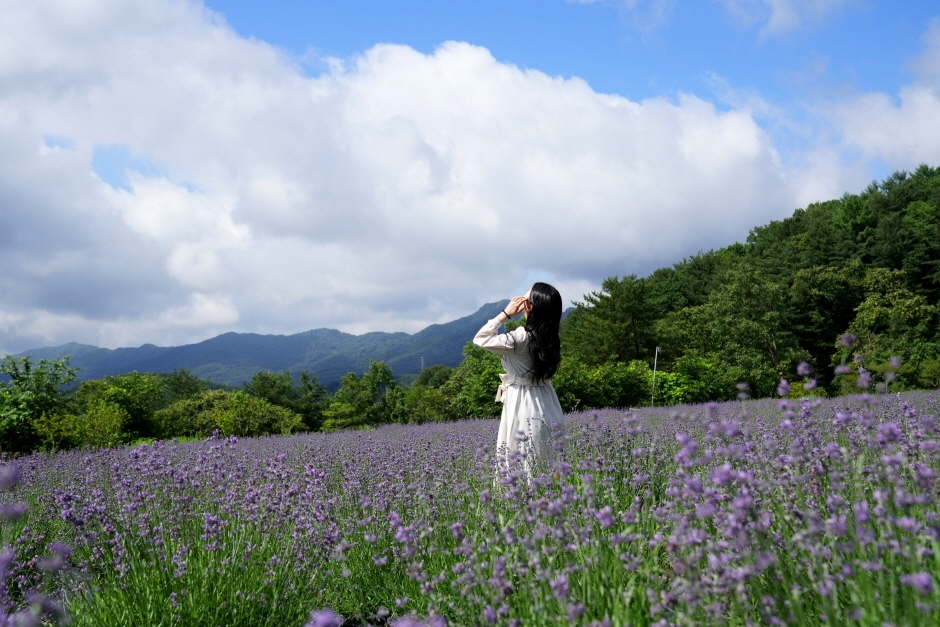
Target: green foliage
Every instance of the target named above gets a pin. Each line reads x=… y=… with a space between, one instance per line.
x=614 y=384
x=232 y=413
x=434 y=377
x=56 y=432
x=245 y=415
x=704 y=378
x=742 y=332
x=823 y=300
x=191 y=417
x=100 y=425
x=305 y=397
x=892 y=319
x=371 y=399
x=180 y=384
x=614 y=324
x=427 y=404
x=33 y=390
x=138 y=394
x=473 y=384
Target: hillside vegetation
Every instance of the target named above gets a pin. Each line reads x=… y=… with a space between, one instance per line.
x=866 y=266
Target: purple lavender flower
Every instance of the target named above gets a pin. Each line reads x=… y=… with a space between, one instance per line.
x=324 y=618
x=9 y=475
x=575 y=610
x=606 y=517
x=783 y=388
x=843 y=369
x=560 y=587
x=12 y=511
x=921 y=582
x=847 y=340
x=803 y=369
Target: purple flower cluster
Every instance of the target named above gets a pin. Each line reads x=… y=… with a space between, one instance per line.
x=24 y=599
x=764 y=512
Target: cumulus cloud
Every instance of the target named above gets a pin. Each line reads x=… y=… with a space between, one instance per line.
x=396 y=190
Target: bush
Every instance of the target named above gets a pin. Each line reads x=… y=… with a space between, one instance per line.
x=305 y=396
x=706 y=379
x=101 y=425
x=140 y=395
x=34 y=390
x=190 y=417
x=614 y=384
x=426 y=404
x=57 y=431
x=246 y=415
x=434 y=377
x=471 y=388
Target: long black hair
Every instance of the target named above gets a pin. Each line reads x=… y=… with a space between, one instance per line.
x=542 y=326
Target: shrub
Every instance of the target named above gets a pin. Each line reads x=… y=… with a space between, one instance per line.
x=426 y=404
x=614 y=384
x=191 y=416
x=100 y=425
x=246 y=415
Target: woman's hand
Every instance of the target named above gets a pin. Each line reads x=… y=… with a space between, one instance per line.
x=517 y=305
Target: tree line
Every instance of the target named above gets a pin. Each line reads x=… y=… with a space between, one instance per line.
x=841 y=295
x=847 y=287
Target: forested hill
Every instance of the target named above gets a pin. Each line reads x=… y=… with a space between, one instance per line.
x=233 y=358
x=866 y=264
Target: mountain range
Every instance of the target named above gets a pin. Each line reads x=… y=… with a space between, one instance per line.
x=232 y=358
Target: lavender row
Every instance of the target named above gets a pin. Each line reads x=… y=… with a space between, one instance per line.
x=789 y=512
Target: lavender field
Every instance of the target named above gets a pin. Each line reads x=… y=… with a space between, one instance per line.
x=765 y=512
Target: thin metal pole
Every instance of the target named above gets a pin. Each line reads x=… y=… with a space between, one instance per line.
x=655 y=360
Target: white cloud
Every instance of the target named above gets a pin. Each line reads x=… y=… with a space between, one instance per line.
x=643 y=15
x=397 y=190
x=904 y=130
x=779 y=16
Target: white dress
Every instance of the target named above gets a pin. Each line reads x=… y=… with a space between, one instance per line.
x=528 y=407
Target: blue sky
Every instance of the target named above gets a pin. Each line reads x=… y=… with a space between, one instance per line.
x=175 y=169
x=653 y=49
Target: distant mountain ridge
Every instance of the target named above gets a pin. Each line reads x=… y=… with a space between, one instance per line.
x=232 y=358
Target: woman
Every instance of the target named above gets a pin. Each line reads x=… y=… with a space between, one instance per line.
x=530 y=356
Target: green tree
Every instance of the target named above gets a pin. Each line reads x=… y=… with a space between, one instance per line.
x=705 y=378
x=373 y=398
x=434 y=377
x=232 y=413
x=138 y=394
x=823 y=300
x=244 y=415
x=742 y=332
x=892 y=321
x=305 y=396
x=193 y=416
x=921 y=262
x=100 y=425
x=614 y=384
x=613 y=324
x=33 y=390
x=426 y=404
x=180 y=384
x=471 y=389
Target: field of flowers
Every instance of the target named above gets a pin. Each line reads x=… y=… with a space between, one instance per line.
x=764 y=512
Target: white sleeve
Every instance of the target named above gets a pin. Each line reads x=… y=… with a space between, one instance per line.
x=488 y=338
